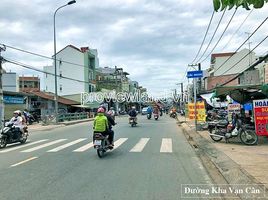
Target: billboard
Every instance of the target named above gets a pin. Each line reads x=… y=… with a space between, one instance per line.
x=200 y=111
x=261 y=116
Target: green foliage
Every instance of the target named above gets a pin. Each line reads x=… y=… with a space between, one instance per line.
x=223 y=4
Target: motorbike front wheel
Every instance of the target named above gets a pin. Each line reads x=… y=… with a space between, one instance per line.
x=248 y=137
x=3 y=143
x=214 y=137
x=23 y=140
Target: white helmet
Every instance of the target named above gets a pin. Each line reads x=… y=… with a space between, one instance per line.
x=17 y=112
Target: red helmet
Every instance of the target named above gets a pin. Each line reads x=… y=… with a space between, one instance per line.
x=100 y=110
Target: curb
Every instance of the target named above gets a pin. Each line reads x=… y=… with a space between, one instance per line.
x=61 y=124
x=229 y=169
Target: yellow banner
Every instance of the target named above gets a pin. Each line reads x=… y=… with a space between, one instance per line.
x=200 y=111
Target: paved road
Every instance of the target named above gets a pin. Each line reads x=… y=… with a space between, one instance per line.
x=151 y=162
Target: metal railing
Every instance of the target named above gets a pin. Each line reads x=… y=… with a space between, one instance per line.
x=73 y=116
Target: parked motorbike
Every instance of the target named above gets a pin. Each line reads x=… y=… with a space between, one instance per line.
x=101 y=144
x=220 y=129
x=156 y=116
x=133 y=121
x=149 y=115
x=10 y=134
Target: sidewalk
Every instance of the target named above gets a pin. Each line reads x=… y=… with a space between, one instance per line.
x=40 y=127
x=251 y=159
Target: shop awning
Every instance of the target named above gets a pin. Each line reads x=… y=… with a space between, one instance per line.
x=242 y=93
x=209 y=98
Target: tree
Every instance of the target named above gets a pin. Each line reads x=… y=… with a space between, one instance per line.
x=222 y=4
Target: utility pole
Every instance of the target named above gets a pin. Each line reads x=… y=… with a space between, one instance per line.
x=2 y=110
x=200 y=79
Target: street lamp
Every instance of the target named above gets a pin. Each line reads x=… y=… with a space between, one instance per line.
x=55 y=60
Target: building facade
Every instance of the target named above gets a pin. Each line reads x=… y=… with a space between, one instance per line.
x=74 y=63
x=29 y=83
x=10 y=82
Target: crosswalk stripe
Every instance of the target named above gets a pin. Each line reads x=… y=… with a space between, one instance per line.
x=166 y=146
x=22 y=146
x=118 y=142
x=67 y=145
x=44 y=145
x=84 y=148
x=140 y=145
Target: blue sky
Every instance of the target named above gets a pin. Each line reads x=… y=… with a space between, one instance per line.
x=153 y=40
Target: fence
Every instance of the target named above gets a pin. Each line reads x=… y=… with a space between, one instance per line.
x=50 y=119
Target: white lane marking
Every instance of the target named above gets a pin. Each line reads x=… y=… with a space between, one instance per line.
x=140 y=145
x=24 y=161
x=118 y=142
x=166 y=146
x=67 y=145
x=22 y=146
x=44 y=145
x=84 y=148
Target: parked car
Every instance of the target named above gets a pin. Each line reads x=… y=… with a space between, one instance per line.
x=144 y=111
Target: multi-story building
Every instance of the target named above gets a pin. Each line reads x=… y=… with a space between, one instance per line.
x=73 y=63
x=29 y=83
x=112 y=79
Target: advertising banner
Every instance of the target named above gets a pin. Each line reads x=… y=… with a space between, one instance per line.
x=13 y=100
x=200 y=111
x=233 y=108
x=261 y=116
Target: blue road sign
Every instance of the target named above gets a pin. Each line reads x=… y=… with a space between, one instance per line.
x=195 y=74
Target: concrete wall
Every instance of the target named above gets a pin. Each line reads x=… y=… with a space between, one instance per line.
x=250 y=78
x=213 y=81
x=66 y=86
x=238 y=68
x=10 y=82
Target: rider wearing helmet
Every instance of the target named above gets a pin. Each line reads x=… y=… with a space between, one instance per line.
x=17 y=122
x=103 y=124
x=133 y=114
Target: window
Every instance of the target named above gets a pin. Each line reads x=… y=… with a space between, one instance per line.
x=60 y=88
x=60 y=74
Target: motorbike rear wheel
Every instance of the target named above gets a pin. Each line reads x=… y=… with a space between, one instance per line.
x=213 y=137
x=100 y=150
x=3 y=143
x=23 y=140
x=248 y=137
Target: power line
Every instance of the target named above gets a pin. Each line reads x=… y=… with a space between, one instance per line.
x=243 y=43
x=204 y=36
x=246 y=55
x=43 y=56
x=238 y=29
x=212 y=36
x=220 y=36
x=42 y=71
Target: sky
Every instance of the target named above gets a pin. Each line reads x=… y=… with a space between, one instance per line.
x=153 y=40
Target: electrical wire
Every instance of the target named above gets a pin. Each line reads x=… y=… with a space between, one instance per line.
x=43 y=56
x=246 y=55
x=212 y=36
x=237 y=29
x=220 y=36
x=41 y=71
x=204 y=36
x=242 y=44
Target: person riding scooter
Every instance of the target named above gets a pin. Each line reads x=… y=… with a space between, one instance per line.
x=149 y=112
x=17 y=122
x=156 y=112
x=133 y=114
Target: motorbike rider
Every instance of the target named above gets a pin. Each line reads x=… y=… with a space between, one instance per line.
x=17 y=122
x=156 y=110
x=133 y=114
x=111 y=112
x=111 y=122
x=149 y=110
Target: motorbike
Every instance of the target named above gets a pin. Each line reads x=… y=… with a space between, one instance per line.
x=156 y=116
x=10 y=134
x=173 y=115
x=101 y=144
x=149 y=115
x=132 y=121
x=220 y=129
